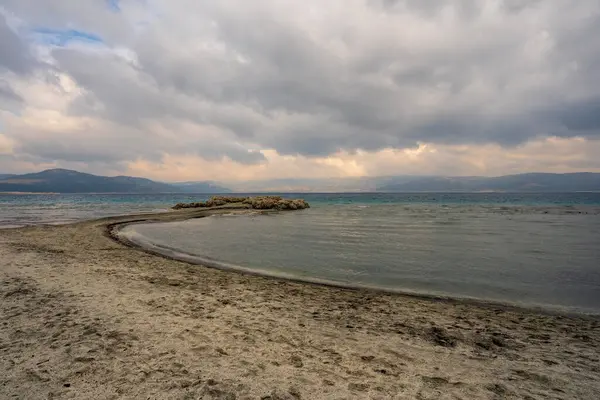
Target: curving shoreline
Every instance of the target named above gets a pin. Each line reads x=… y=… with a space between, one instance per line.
x=113 y=321
x=113 y=230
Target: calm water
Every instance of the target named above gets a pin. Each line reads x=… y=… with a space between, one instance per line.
x=35 y=209
x=531 y=249
x=19 y=210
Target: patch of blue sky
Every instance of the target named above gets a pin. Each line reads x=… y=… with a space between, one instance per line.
x=113 y=5
x=62 y=37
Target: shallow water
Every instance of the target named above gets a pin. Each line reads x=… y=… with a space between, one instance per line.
x=527 y=252
x=35 y=209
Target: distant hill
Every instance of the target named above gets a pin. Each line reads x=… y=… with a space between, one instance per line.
x=68 y=181
x=530 y=182
x=533 y=182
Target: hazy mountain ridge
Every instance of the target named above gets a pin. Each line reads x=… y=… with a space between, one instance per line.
x=68 y=181
x=530 y=182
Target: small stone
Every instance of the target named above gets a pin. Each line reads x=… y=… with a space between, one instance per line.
x=297 y=362
x=441 y=337
x=359 y=387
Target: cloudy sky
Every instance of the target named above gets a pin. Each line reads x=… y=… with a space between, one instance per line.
x=235 y=89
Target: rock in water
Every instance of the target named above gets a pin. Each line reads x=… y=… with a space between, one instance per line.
x=257 y=203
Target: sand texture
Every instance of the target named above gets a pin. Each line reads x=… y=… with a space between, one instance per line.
x=85 y=317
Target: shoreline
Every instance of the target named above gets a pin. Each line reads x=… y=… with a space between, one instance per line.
x=113 y=231
x=85 y=316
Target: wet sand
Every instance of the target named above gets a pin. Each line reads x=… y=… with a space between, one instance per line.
x=83 y=316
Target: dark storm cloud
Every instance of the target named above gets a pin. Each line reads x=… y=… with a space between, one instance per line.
x=370 y=100
x=129 y=96
x=14 y=52
x=114 y=84
x=105 y=143
x=8 y=94
x=315 y=79
x=108 y=144
x=427 y=8
x=581 y=117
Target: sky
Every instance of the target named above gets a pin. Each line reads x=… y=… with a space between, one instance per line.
x=235 y=90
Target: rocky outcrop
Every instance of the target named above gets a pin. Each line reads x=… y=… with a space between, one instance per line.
x=257 y=203
x=275 y=203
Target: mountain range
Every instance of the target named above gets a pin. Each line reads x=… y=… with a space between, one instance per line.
x=68 y=181
x=532 y=182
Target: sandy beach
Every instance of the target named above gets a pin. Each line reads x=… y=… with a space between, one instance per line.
x=85 y=317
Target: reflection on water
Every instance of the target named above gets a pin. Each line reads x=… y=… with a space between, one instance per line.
x=536 y=255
